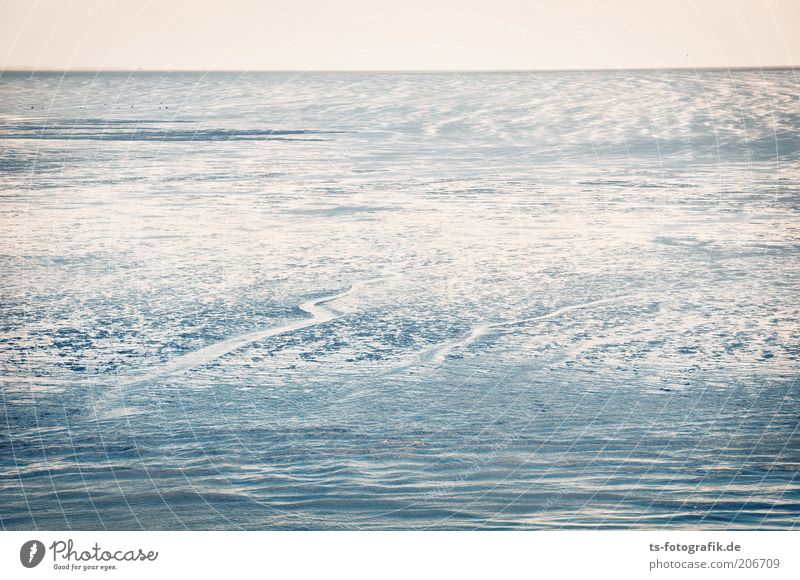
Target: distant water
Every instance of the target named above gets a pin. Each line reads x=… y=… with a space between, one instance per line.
x=418 y=301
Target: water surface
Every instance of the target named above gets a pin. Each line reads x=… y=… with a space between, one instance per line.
x=415 y=301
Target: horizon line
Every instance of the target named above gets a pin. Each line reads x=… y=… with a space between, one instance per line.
x=35 y=69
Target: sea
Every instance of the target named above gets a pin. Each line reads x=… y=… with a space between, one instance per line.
x=413 y=301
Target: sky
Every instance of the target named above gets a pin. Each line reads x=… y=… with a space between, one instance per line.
x=397 y=34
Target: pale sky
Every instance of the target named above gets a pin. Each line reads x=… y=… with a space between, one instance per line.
x=398 y=34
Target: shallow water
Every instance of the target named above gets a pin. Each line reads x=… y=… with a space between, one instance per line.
x=556 y=300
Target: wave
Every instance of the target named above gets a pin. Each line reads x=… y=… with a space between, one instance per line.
x=439 y=354
x=320 y=314
x=73 y=133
